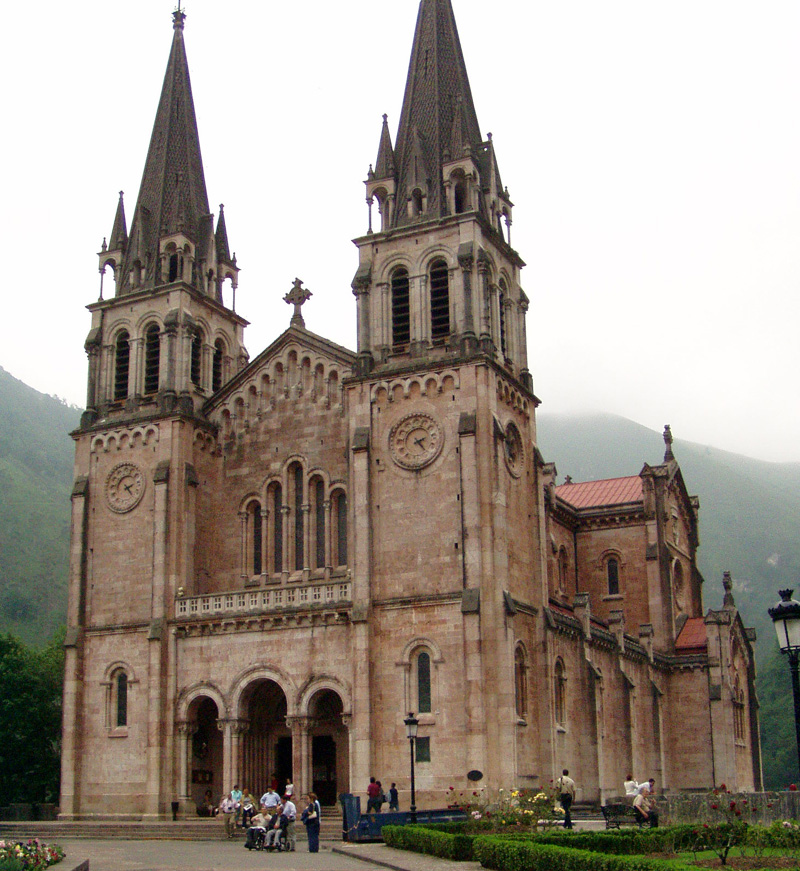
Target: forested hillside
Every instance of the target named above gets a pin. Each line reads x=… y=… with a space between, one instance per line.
x=36 y=456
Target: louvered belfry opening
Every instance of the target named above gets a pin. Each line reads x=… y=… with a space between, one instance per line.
x=197 y=351
x=152 y=359
x=440 y=301
x=501 y=301
x=122 y=362
x=216 y=374
x=401 y=309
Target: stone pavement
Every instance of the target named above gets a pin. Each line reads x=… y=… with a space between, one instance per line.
x=119 y=854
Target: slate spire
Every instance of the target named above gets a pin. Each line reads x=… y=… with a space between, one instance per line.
x=172 y=195
x=119 y=232
x=384 y=165
x=437 y=92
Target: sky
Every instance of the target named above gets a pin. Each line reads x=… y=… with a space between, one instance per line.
x=652 y=151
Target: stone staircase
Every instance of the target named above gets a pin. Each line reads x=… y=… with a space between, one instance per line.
x=182 y=830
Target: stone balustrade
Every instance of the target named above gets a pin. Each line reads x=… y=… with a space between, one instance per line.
x=264 y=601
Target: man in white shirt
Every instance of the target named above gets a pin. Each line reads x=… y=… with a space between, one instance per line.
x=566 y=788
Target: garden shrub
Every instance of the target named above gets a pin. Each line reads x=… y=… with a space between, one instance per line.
x=510 y=854
x=425 y=839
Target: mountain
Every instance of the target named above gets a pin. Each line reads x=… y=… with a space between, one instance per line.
x=36 y=455
x=748 y=508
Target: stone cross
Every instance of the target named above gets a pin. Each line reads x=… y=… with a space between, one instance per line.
x=297 y=296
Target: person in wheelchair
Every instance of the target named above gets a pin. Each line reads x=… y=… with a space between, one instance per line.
x=257 y=833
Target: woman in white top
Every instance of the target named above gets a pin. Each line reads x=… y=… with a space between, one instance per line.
x=631 y=786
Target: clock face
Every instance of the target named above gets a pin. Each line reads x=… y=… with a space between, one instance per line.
x=124 y=487
x=514 y=453
x=415 y=441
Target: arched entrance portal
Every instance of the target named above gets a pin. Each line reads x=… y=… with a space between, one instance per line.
x=329 y=747
x=205 y=752
x=267 y=743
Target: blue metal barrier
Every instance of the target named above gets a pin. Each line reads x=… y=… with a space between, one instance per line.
x=367 y=827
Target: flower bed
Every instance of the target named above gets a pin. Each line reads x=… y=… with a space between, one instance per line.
x=32 y=855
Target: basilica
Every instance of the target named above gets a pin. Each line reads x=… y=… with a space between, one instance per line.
x=274 y=559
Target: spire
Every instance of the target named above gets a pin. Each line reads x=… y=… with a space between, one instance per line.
x=384 y=165
x=172 y=195
x=437 y=83
x=221 y=237
x=119 y=232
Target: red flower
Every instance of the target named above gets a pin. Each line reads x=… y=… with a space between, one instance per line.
x=722 y=786
x=714 y=807
x=738 y=813
x=793 y=787
x=475 y=793
x=705 y=825
x=452 y=788
x=733 y=805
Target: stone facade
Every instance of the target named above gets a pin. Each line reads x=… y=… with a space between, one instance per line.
x=274 y=561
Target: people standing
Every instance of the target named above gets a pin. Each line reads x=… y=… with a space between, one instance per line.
x=289 y=788
x=236 y=795
x=566 y=787
x=373 y=796
x=311 y=820
x=227 y=810
x=290 y=812
x=248 y=807
x=394 y=801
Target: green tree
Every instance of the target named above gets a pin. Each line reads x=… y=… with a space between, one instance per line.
x=30 y=719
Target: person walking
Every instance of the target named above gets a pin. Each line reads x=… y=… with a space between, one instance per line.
x=227 y=810
x=394 y=802
x=566 y=787
x=311 y=820
x=373 y=796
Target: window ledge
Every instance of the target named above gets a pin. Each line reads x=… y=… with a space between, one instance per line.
x=613 y=597
x=560 y=728
x=118 y=732
x=427 y=719
x=521 y=721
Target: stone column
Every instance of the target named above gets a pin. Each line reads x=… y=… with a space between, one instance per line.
x=285 y=511
x=326 y=506
x=300 y=754
x=466 y=261
x=487 y=345
x=225 y=726
x=186 y=728
x=243 y=549
x=306 y=509
x=237 y=729
x=266 y=551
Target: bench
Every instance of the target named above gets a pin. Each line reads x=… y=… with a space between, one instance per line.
x=618 y=815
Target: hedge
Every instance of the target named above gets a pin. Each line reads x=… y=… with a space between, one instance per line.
x=422 y=839
x=508 y=854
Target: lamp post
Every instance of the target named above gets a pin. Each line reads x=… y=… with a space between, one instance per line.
x=411 y=731
x=786 y=617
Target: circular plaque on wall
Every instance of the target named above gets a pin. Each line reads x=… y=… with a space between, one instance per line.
x=124 y=487
x=415 y=440
x=514 y=452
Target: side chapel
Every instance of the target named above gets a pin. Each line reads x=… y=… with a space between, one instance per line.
x=274 y=560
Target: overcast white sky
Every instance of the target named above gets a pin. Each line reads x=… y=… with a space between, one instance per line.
x=652 y=151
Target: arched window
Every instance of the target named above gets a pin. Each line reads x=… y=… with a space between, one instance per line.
x=440 y=300
x=197 y=357
x=276 y=506
x=521 y=682
x=175 y=266
x=423 y=666
x=612 y=575
x=216 y=374
x=152 y=359
x=122 y=363
x=340 y=536
x=416 y=202
x=460 y=196
x=297 y=487
x=254 y=537
x=121 y=692
x=563 y=568
x=738 y=711
x=401 y=308
x=678 y=585
x=502 y=296
x=317 y=493
x=559 y=687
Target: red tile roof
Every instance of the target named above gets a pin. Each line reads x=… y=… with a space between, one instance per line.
x=597 y=494
x=693 y=635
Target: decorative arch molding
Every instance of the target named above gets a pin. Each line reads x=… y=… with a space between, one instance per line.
x=119 y=665
x=432 y=253
x=320 y=683
x=127 y=437
x=251 y=496
x=204 y=441
x=511 y=396
x=196 y=691
x=264 y=672
x=147 y=319
x=427 y=383
x=415 y=644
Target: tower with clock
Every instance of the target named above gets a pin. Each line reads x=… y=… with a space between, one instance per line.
x=274 y=560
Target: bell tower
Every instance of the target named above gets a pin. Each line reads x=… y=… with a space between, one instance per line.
x=166 y=339
x=437 y=277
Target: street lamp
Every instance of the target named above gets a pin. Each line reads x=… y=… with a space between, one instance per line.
x=411 y=731
x=786 y=617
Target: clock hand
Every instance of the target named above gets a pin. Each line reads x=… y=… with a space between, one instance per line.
x=127 y=487
x=418 y=442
